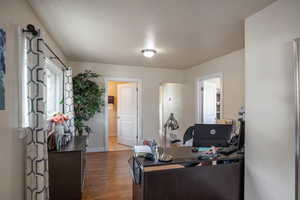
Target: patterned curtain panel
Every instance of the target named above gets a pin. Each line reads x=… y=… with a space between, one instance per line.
x=68 y=99
x=36 y=146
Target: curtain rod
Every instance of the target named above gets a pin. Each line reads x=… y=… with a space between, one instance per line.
x=31 y=29
x=55 y=56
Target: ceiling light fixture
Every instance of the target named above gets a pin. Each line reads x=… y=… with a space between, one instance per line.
x=148 y=52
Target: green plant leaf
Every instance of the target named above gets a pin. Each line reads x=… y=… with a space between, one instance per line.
x=88 y=99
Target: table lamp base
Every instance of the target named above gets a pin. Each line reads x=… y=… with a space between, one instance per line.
x=164 y=157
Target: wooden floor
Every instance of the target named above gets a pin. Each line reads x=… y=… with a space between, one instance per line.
x=113 y=145
x=108 y=176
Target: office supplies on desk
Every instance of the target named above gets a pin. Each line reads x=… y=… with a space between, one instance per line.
x=207 y=156
x=203 y=148
x=149 y=156
x=142 y=150
x=149 y=142
x=200 y=149
x=195 y=150
x=228 y=150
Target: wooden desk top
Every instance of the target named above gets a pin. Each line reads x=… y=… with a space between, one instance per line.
x=184 y=156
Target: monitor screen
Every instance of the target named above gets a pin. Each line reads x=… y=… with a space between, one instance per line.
x=207 y=135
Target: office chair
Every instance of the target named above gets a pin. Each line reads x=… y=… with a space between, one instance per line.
x=189 y=134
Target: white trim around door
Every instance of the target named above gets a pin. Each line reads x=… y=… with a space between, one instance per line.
x=198 y=106
x=139 y=104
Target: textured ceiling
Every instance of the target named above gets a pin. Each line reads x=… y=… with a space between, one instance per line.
x=184 y=32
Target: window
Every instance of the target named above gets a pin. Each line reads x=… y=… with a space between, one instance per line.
x=54 y=81
x=54 y=76
x=23 y=86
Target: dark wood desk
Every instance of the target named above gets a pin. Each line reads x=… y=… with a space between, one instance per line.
x=187 y=177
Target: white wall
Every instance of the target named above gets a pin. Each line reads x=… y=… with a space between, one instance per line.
x=232 y=67
x=12 y=14
x=269 y=101
x=171 y=101
x=151 y=80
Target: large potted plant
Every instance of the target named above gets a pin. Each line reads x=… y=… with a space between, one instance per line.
x=88 y=99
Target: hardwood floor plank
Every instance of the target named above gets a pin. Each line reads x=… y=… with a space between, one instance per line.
x=108 y=177
x=113 y=145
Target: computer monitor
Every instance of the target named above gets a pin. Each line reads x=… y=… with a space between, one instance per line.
x=207 y=135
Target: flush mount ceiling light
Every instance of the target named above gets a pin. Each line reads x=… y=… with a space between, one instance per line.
x=148 y=52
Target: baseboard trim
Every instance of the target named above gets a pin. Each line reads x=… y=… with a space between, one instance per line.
x=95 y=149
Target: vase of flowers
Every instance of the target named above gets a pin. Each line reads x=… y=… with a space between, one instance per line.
x=58 y=121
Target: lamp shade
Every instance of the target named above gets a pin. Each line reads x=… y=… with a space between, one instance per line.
x=171 y=123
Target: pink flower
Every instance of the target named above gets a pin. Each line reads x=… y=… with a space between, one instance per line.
x=59 y=118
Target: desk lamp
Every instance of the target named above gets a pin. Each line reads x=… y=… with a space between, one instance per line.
x=173 y=125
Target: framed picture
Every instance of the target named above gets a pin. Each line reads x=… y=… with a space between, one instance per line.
x=2 y=68
x=111 y=99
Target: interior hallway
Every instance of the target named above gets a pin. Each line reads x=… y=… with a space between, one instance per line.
x=113 y=145
x=108 y=176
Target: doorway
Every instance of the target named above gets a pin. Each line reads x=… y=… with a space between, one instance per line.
x=209 y=99
x=122 y=114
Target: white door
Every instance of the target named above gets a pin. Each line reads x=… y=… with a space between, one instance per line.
x=209 y=102
x=127 y=113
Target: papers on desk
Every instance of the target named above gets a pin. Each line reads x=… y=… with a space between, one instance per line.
x=201 y=149
x=141 y=150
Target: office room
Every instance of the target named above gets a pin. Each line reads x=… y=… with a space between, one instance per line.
x=149 y=100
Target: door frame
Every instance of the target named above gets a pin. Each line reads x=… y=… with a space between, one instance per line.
x=139 y=104
x=198 y=106
x=296 y=50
